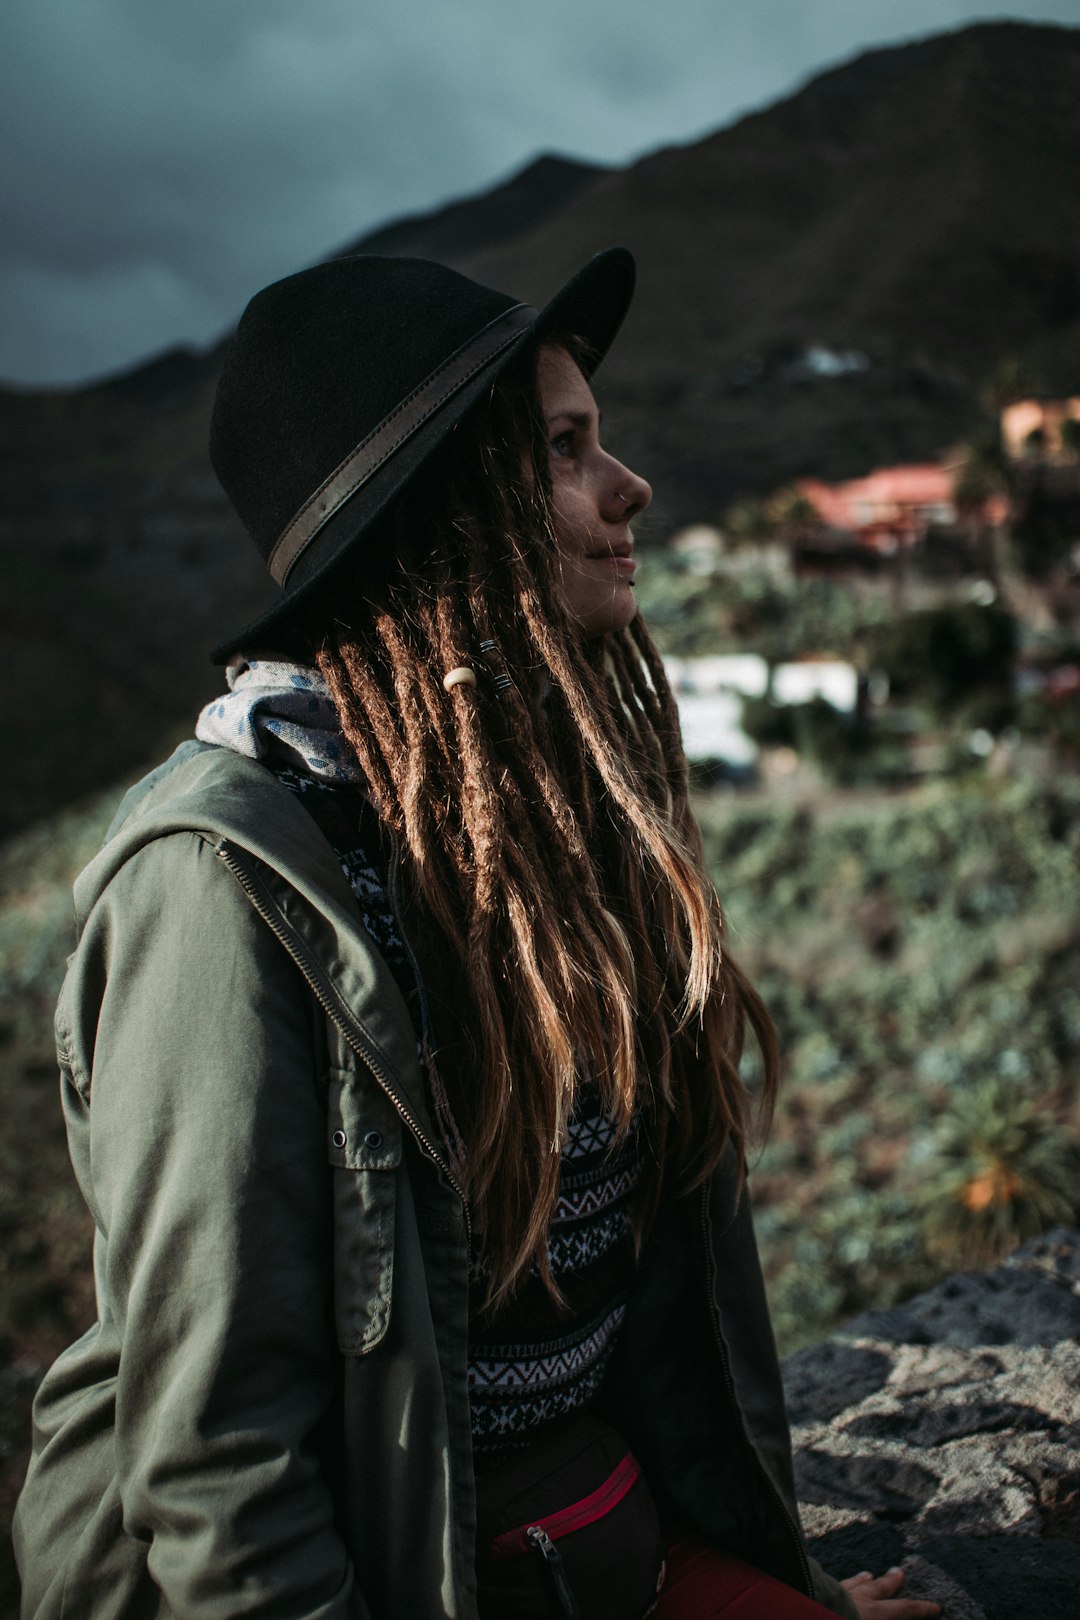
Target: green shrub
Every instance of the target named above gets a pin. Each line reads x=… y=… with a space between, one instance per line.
x=1056 y=719
x=1005 y=1171
x=752 y=612
x=958 y=658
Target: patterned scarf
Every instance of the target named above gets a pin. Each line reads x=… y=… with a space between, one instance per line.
x=283 y=712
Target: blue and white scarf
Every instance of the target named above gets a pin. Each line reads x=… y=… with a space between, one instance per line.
x=280 y=711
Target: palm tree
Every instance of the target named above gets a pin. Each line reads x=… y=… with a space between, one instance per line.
x=1011 y=379
x=983 y=472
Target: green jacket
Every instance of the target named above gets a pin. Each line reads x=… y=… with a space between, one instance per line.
x=271 y=1415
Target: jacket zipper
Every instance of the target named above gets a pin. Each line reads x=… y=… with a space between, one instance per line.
x=553 y=1563
x=333 y=1009
x=729 y=1383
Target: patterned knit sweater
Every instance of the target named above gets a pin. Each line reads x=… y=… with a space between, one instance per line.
x=531 y=1361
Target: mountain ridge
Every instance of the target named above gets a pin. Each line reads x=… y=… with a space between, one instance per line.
x=462 y=228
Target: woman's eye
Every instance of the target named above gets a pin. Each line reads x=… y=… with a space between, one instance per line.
x=563 y=444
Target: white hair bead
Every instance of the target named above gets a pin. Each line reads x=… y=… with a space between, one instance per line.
x=462 y=676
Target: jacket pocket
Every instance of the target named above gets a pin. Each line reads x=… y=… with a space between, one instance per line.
x=364 y=1149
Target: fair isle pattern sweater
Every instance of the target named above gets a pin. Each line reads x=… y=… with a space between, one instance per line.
x=530 y=1362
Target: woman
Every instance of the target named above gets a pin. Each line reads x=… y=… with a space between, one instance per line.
x=400 y=1047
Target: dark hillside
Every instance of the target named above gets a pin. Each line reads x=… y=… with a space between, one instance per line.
x=920 y=200
x=119 y=550
x=919 y=204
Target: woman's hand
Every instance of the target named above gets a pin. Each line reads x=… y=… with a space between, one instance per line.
x=876 y=1599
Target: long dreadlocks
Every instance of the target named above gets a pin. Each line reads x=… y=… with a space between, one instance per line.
x=545 y=831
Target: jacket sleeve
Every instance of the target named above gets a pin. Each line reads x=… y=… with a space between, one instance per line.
x=191 y=1034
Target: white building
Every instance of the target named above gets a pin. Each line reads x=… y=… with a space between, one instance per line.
x=710 y=691
x=745 y=673
x=712 y=729
x=836 y=682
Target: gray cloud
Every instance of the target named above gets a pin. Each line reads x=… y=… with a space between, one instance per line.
x=160 y=161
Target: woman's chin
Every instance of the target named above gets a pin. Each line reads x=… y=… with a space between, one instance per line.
x=614 y=613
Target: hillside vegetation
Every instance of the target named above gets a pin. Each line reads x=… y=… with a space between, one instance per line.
x=921 y=957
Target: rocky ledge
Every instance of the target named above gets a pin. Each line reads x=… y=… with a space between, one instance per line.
x=944 y=1435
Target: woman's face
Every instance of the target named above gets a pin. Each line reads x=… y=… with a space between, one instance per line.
x=593 y=498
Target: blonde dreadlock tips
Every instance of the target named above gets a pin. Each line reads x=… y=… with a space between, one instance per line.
x=461 y=676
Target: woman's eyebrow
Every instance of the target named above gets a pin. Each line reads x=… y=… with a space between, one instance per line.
x=579 y=419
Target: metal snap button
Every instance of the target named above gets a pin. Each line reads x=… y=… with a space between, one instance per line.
x=339 y=1139
x=373 y=1139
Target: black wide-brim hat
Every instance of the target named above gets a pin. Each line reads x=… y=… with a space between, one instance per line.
x=342 y=380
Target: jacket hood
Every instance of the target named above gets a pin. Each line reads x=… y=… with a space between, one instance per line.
x=270 y=844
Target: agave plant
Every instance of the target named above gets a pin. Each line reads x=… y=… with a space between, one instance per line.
x=1005 y=1170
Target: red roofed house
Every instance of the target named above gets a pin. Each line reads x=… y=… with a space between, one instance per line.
x=893 y=507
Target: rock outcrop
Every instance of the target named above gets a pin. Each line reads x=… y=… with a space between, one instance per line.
x=944 y=1436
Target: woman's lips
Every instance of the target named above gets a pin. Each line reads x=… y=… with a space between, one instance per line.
x=621 y=561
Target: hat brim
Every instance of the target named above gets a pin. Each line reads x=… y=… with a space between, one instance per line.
x=592 y=305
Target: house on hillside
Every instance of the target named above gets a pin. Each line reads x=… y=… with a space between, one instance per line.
x=831 y=679
x=711 y=691
x=892 y=509
x=744 y=673
x=889 y=508
x=1041 y=426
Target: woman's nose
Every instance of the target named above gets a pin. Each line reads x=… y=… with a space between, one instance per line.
x=629 y=493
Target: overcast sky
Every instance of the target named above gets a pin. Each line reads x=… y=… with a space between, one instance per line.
x=162 y=159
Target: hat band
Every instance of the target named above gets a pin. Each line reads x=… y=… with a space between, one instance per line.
x=392 y=432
